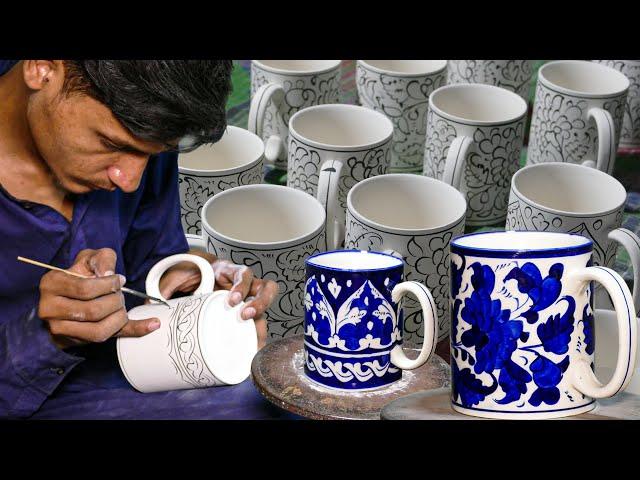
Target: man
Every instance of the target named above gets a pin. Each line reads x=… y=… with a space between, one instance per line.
x=88 y=182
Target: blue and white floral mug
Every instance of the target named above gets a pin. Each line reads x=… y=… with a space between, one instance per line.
x=522 y=325
x=353 y=323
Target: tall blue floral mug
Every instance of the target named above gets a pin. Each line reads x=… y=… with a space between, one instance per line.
x=522 y=326
x=353 y=323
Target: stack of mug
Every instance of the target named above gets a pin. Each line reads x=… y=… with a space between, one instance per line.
x=434 y=146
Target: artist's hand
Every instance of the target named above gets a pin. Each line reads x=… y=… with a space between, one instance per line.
x=259 y=294
x=78 y=310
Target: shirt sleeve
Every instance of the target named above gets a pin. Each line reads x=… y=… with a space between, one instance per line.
x=31 y=365
x=156 y=231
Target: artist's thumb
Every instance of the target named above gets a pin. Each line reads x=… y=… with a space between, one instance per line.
x=139 y=328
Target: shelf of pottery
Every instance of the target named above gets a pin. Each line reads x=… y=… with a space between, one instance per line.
x=430 y=150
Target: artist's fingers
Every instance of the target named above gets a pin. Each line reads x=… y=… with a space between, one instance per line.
x=242 y=279
x=139 y=328
x=65 y=285
x=101 y=262
x=265 y=292
x=63 y=308
x=182 y=277
x=96 y=332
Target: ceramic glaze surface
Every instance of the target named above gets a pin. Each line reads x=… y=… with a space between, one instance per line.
x=404 y=98
x=514 y=75
x=516 y=326
x=301 y=90
x=630 y=132
x=351 y=324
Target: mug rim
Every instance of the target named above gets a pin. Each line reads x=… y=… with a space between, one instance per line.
x=544 y=208
x=577 y=93
x=586 y=246
x=340 y=148
x=275 y=245
x=292 y=73
x=228 y=171
x=307 y=262
x=366 y=65
x=470 y=122
x=395 y=230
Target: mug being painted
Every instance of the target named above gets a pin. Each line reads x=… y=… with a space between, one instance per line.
x=210 y=169
x=522 y=333
x=353 y=324
x=202 y=341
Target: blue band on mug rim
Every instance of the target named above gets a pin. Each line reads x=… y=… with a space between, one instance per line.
x=308 y=261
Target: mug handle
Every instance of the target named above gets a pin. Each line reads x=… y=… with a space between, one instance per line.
x=328 y=190
x=631 y=243
x=606 y=141
x=430 y=315
x=581 y=376
x=455 y=162
x=207 y=276
x=274 y=147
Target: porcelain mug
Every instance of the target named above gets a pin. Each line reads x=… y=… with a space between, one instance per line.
x=353 y=323
x=630 y=132
x=413 y=217
x=563 y=197
x=522 y=333
x=514 y=75
x=353 y=138
x=272 y=229
x=201 y=342
x=280 y=88
x=474 y=139
x=400 y=90
x=577 y=114
x=210 y=169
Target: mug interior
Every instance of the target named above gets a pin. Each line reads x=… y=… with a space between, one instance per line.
x=406 y=202
x=406 y=67
x=298 y=66
x=237 y=147
x=263 y=214
x=588 y=78
x=478 y=103
x=511 y=241
x=568 y=188
x=354 y=260
x=341 y=126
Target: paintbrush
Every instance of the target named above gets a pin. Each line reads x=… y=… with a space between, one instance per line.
x=124 y=289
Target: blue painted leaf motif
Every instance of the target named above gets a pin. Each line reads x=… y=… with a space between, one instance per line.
x=546 y=376
x=513 y=380
x=456 y=276
x=542 y=292
x=588 y=330
x=468 y=388
x=555 y=333
x=321 y=318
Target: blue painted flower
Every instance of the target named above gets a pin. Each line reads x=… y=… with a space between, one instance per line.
x=589 y=330
x=555 y=333
x=468 y=388
x=542 y=292
x=546 y=376
x=513 y=380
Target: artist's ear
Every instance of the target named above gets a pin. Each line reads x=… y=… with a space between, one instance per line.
x=40 y=73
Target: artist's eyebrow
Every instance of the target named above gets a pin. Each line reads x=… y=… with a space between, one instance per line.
x=119 y=145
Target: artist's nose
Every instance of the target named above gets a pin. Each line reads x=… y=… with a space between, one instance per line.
x=127 y=173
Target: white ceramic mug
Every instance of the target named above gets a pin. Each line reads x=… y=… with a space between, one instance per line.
x=272 y=229
x=400 y=89
x=568 y=198
x=210 y=169
x=280 y=88
x=577 y=114
x=201 y=342
x=413 y=217
x=630 y=132
x=514 y=75
x=353 y=138
x=474 y=139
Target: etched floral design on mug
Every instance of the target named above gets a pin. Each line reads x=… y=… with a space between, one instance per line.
x=514 y=75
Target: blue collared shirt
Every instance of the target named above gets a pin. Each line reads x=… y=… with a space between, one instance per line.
x=39 y=380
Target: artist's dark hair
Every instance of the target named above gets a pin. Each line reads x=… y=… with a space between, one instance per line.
x=161 y=101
